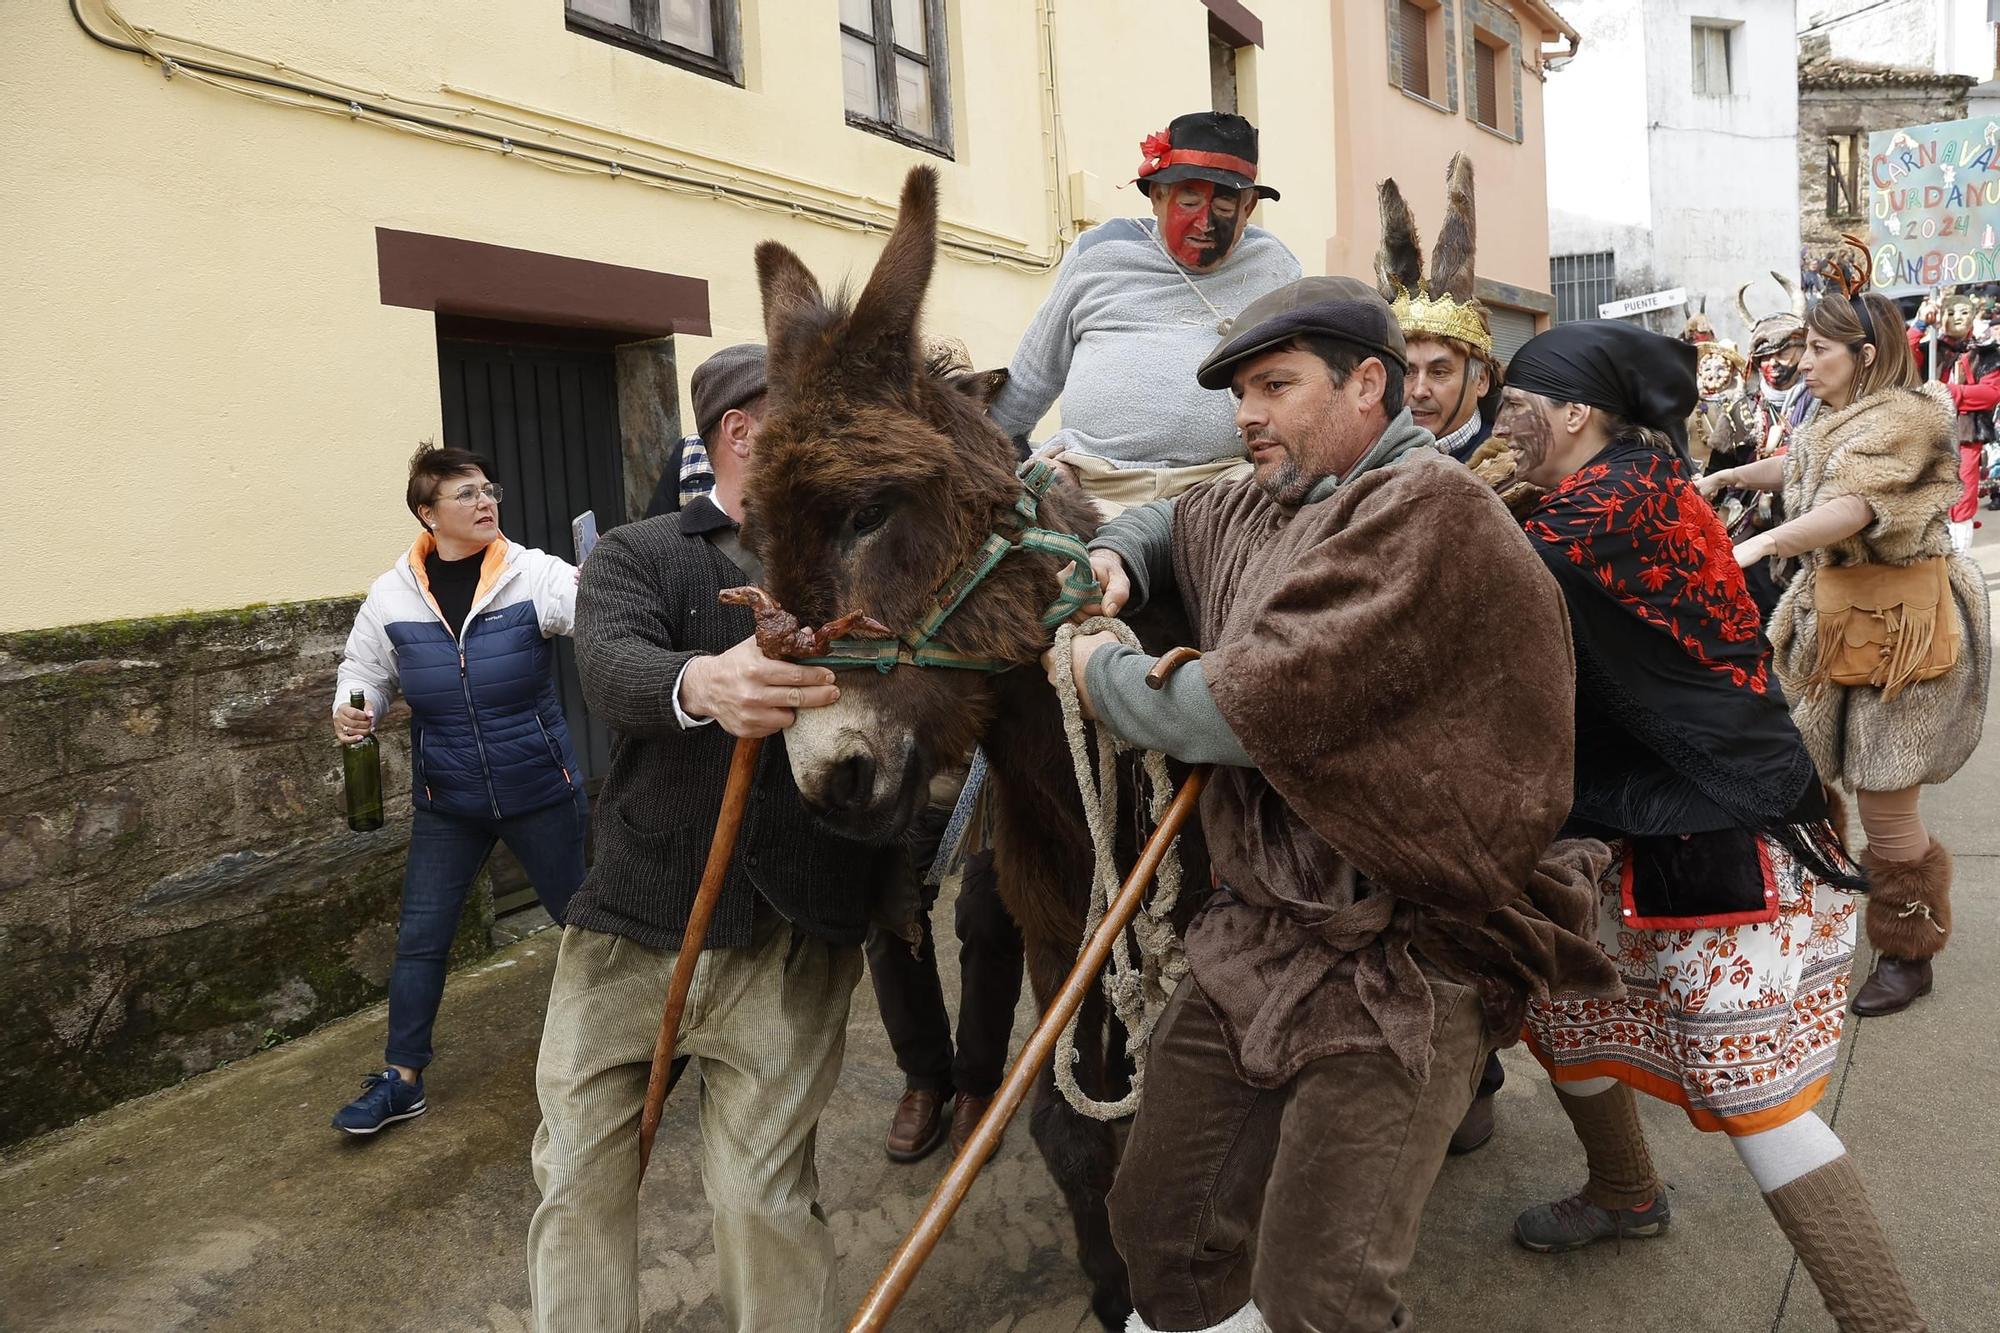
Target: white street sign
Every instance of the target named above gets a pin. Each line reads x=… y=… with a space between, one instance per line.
x=1639 y=305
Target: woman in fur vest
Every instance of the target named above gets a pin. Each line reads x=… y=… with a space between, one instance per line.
x=1727 y=906
x=1870 y=483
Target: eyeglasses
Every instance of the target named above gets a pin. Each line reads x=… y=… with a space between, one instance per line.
x=471 y=495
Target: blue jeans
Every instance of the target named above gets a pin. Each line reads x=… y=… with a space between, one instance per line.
x=446 y=853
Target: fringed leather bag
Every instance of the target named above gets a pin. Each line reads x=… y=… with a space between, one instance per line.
x=1886 y=626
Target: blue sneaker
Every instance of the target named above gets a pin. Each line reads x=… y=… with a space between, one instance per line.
x=384 y=1098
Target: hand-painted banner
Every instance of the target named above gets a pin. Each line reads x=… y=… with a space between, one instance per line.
x=1934 y=211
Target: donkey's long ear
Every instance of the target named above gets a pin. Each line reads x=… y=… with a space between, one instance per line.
x=1399 y=263
x=982 y=386
x=886 y=314
x=790 y=292
x=788 y=286
x=1452 y=258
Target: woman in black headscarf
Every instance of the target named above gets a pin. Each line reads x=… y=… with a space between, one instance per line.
x=1727 y=908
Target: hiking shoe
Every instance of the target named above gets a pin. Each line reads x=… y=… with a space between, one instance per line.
x=384 y=1098
x=1572 y=1223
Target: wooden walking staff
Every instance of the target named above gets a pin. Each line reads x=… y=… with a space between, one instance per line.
x=735 y=796
x=895 y=1281
x=780 y=637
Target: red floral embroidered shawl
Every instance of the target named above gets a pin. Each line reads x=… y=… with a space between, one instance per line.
x=1652 y=545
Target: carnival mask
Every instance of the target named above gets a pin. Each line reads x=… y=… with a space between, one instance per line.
x=1199 y=221
x=1958 y=320
x=1780 y=368
x=1716 y=374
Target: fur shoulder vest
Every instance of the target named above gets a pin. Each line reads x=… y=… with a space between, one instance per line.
x=1897 y=450
x=1894 y=449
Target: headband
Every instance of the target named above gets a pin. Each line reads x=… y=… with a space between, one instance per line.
x=1161 y=154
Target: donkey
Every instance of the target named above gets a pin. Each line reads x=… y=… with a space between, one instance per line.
x=875 y=478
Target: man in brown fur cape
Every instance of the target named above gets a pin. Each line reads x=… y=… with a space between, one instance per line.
x=1381 y=828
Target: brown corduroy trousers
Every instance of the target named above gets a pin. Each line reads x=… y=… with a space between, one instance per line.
x=1305 y=1198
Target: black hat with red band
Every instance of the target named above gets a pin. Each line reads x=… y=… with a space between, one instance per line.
x=1207 y=146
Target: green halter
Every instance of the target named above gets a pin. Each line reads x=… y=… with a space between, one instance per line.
x=1017 y=532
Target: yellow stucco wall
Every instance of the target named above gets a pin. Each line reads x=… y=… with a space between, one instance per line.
x=200 y=383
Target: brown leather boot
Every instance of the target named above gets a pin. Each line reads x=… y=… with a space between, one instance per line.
x=1826 y=1215
x=966 y=1113
x=1894 y=985
x=1909 y=921
x=918 y=1125
x=1475 y=1129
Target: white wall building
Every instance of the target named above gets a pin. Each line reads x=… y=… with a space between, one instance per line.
x=1673 y=142
x=1943 y=36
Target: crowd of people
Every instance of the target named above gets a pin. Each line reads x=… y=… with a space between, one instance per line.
x=1536 y=692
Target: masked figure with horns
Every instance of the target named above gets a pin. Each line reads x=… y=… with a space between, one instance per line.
x=1773 y=401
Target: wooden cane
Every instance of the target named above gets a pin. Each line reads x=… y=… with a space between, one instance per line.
x=735 y=796
x=894 y=1283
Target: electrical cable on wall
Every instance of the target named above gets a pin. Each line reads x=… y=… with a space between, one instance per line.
x=335 y=98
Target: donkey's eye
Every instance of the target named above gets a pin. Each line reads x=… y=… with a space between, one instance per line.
x=870 y=517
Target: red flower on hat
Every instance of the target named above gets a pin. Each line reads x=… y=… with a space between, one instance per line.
x=1154 y=148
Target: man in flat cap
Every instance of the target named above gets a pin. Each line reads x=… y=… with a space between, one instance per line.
x=1381 y=824
x=677 y=676
x=1135 y=308
x=728 y=393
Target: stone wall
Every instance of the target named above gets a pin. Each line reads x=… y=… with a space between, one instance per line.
x=1836 y=99
x=178 y=885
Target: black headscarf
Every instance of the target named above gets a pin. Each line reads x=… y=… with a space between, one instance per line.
x=1646 y=378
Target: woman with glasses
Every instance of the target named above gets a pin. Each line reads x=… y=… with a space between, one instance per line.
x=461 y=627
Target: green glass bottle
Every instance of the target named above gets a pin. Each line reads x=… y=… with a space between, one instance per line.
x=363 y=762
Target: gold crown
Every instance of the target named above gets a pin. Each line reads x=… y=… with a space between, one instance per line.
x=1442 y=317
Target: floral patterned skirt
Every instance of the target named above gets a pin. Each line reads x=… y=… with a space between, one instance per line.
x=1738 y=1025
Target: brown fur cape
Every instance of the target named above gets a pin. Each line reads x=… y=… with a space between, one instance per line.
x=1897 y=450
x=1396 y=831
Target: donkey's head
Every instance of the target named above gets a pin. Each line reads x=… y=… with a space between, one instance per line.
x=876 y=476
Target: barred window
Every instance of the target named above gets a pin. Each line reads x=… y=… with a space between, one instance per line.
x=1582 y=283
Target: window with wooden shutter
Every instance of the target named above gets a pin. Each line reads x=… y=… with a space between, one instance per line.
x=1843 y=175
x=1486 y=85
x=1414 y=39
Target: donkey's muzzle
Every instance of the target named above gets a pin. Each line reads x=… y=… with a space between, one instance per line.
x=850 y=785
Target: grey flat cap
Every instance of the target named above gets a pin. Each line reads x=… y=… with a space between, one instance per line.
x=729 y=378
x=1343 y=308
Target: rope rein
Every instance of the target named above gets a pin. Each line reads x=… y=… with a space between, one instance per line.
x=1137 y=989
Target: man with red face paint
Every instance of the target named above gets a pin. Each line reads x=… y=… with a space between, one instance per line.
x=1137 y=305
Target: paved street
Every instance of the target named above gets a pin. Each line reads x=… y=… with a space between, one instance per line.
x=228 y=1203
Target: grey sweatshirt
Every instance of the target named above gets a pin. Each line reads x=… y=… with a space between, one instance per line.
x=1118 y=341
x=1182 y=720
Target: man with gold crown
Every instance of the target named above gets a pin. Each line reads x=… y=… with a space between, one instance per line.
x=1453 y=385
x=1452 y=389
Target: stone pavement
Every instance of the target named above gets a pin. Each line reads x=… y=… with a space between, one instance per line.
x=228 y=1204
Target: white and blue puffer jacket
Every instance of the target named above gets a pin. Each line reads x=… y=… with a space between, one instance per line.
x=487 y=737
